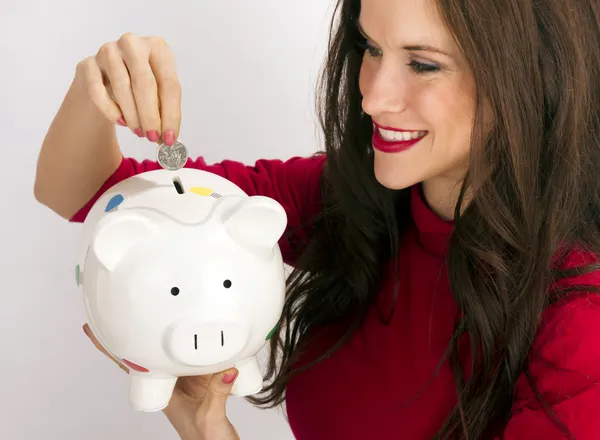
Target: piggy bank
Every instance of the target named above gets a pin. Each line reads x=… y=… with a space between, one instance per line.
x=181 y=274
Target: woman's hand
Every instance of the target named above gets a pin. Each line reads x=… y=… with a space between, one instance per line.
x=197 y=408
x=133 y=82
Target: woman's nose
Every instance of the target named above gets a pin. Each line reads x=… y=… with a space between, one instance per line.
x=384 y=91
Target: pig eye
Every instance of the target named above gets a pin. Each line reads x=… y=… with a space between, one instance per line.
x=174 y=291
x=227 y=284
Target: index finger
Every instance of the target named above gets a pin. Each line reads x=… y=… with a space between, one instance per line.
x=162 y=63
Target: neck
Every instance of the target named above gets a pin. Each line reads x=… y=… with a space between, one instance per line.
x=441 y=194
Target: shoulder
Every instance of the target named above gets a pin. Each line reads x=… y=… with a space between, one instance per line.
x=564 y=359
x=577 y=282
x=563 y=369
x=560 y=391
x=569 y=327
x=569 y=332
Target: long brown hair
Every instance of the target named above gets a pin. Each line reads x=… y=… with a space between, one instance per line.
x=534 y=175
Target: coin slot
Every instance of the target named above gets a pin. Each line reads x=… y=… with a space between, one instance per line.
x=178 y=186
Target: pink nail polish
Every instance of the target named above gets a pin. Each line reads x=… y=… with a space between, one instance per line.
x=121 y=121
x=152 y=135
x=169 y=137
x=229 y=378
x=139 y=132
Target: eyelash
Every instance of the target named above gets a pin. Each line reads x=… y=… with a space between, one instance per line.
x=419 y=68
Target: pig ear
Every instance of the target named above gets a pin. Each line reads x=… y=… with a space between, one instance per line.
x=118 y=232
x=256 y=222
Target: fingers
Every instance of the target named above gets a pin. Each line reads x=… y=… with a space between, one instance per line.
x=162 y=63
x=135 y=52
x=119 y=85
x=219 y=388
x=90 y=75
x=90 y=335
x=134 y=82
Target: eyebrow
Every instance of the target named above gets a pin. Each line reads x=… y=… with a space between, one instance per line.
x=412 y=47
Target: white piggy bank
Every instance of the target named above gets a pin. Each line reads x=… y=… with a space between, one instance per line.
x=181 y=275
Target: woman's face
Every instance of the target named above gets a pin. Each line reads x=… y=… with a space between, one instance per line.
x=420 y=94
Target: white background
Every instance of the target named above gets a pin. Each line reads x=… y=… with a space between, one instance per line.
x=248 y=70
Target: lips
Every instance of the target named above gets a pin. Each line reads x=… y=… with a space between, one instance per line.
x=393 y=140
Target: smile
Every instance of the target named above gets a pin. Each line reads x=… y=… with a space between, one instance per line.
x=391 y=140
x=391 y=135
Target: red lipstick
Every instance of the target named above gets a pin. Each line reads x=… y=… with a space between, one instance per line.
x=385 y=146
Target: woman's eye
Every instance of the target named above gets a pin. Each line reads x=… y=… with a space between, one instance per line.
x=372 y=51
x=423 y=68
x=362 y=46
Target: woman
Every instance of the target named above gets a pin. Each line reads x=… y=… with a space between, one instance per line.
x=445 y=245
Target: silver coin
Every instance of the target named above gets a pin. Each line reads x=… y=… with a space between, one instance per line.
x=172 y=158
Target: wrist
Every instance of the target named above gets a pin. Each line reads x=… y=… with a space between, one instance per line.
x=190 y=434
x=186 y=430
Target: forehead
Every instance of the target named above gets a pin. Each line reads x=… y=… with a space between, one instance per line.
x=395 y=23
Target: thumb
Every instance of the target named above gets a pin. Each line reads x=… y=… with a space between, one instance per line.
x=218 y=392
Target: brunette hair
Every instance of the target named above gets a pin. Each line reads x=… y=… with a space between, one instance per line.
x=534 y=176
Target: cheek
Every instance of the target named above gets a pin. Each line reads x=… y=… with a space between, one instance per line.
x=365 y=77
x=449 y=110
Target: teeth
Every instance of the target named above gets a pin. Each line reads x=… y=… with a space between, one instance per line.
x=389 y=135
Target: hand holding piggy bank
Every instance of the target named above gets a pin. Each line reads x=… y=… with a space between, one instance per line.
x=182 y=275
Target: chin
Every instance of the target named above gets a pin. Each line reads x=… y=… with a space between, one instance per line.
x=393 y=177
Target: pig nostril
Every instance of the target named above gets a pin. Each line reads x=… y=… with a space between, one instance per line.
x=196 y=340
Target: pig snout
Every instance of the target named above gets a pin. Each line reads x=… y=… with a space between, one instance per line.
x=206 y=343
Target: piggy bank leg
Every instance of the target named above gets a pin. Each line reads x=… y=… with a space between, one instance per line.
x=249 y=380
x=148 y=393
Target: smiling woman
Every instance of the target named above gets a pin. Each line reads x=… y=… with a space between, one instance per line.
x=445 y=247
x=414 y=80
x=467 y=112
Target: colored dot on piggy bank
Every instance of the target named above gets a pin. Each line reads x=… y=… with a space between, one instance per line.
x=78 y=275
x=201 y=191
x=114 y=202
x=270 y=335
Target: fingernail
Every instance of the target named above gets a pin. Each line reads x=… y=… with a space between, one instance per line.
x=121 y=121
x=169 y=138
x=139 y=132
x=152 y=135
x=85 y=330
x=229 y=378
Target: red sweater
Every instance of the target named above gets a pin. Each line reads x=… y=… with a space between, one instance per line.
x=360 y=392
